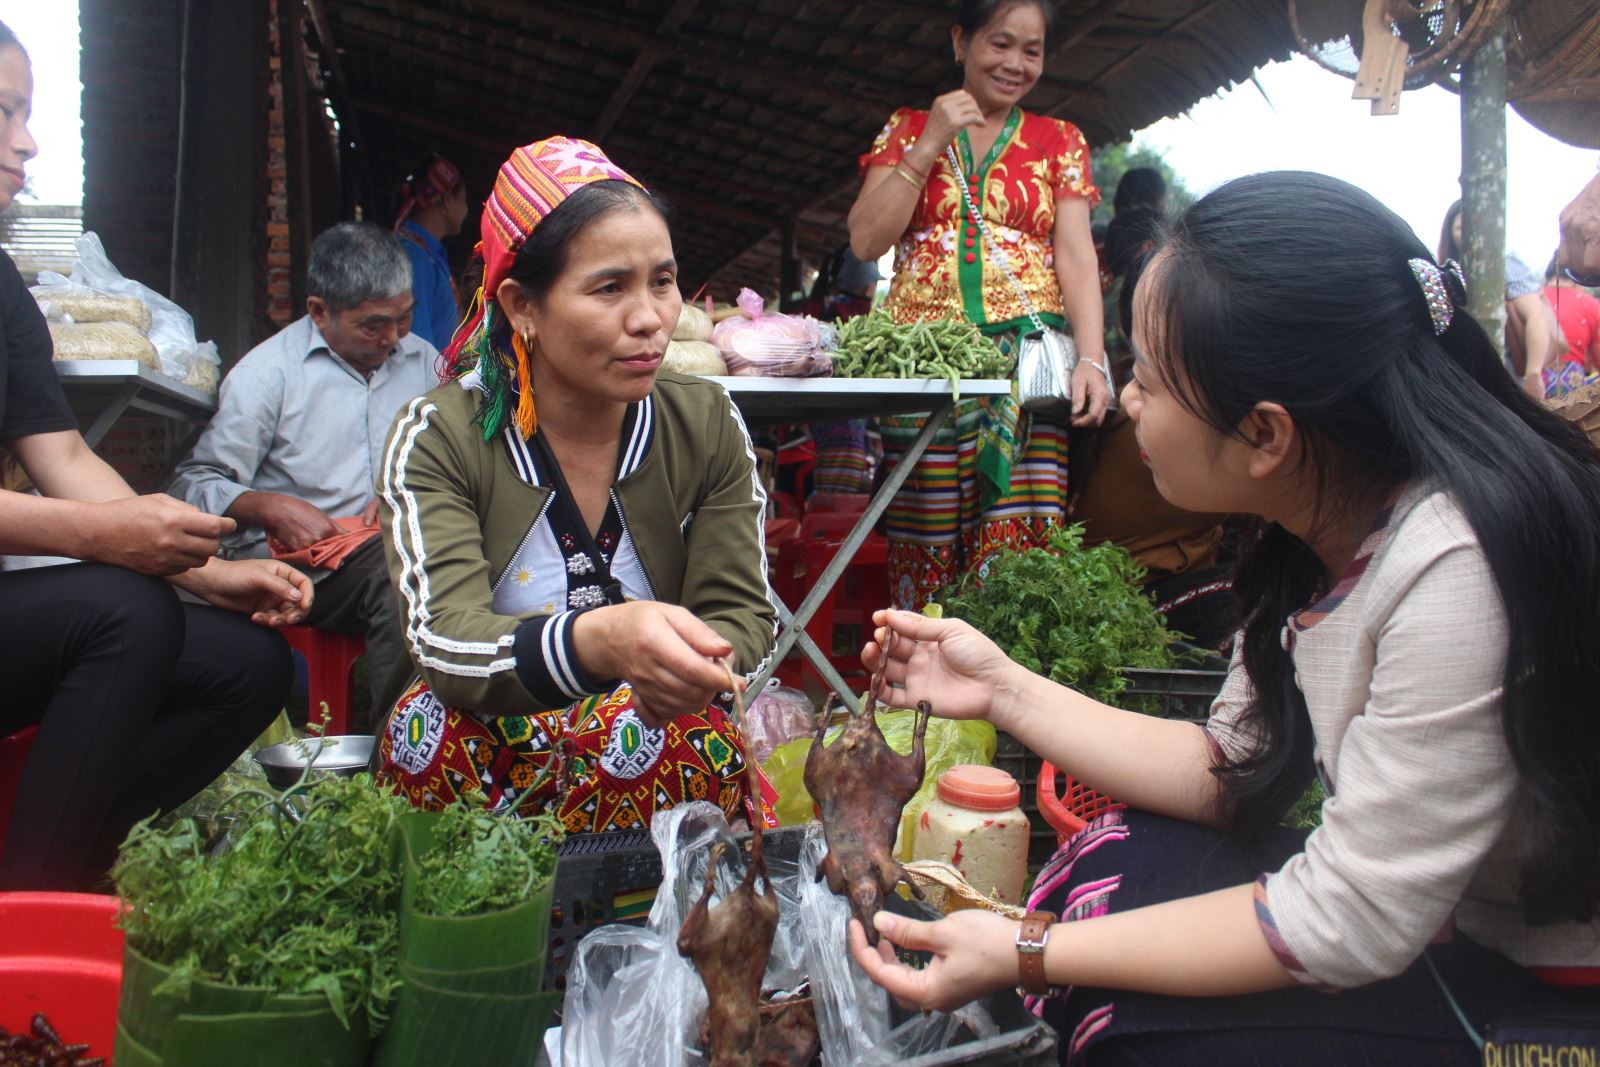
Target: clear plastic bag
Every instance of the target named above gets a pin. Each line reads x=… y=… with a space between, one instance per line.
x=760 y=344
x=171 y=327
x=632 y=999
x=778 y=715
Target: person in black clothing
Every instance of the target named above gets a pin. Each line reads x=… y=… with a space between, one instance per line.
x=140 y=700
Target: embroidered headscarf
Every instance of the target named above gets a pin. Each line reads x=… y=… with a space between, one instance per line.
x=531 y=184
x=430 y=184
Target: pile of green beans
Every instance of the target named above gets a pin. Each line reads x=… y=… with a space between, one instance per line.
x=872 y=346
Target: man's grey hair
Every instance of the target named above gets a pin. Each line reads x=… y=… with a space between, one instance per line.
x=354 y=262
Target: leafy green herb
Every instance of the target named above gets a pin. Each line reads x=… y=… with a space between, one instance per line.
x=1072 y=614
x=485 y=862
x=300 y=907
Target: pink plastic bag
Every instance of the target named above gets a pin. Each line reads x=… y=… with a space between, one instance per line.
x=778 y=715
x=758 y=344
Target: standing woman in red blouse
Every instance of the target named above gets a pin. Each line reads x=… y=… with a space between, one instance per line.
x=998 y=479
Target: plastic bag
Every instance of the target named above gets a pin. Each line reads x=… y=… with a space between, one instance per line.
x=948 y=743
x=632 y=999
x=778 y=715
x=757 y=344
x=171 y=328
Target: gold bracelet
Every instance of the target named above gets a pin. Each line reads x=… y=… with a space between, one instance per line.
x=906 y=173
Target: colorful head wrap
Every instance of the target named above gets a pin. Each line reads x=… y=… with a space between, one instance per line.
x=531 y=184
x=429 y=185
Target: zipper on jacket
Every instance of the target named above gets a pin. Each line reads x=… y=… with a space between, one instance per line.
x=537 y=519
x=644 y=575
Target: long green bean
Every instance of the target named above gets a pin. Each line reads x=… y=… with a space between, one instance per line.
x=873 y=346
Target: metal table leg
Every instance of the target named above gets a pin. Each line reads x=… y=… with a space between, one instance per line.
x=110 y=414
x=794 y=629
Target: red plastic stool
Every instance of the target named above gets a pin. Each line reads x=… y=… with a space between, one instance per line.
x=330 y=663
x=13 y=755
x=862 y=589
x=1070 y=810
x=849 y=503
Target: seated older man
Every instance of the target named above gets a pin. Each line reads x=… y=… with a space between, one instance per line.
x=300 y=428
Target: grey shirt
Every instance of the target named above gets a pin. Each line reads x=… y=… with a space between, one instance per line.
x=294 y=418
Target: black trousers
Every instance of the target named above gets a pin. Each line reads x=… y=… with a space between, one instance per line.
x=140 y=702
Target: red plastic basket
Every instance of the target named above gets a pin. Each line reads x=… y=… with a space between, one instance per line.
x=60 y=954
x=1070 y=810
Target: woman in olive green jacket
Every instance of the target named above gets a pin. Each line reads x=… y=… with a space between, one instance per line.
x=577 y=576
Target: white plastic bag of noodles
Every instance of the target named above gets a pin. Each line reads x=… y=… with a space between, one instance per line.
x=171 y=327
x=632 y=999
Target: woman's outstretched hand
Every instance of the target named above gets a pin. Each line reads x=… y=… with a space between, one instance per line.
x=974 y=954
x=673 y=660
x=956 y=669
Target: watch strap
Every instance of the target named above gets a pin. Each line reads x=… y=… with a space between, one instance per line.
x=1031 y=938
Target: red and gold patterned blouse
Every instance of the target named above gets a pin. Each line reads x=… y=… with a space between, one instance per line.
x=941 y=269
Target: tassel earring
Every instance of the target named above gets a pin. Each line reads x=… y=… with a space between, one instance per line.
x=527 y=418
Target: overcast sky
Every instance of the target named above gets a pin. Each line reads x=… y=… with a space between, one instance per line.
x=1411 y=161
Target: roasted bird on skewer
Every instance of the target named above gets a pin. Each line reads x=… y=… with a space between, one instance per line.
x=862 y=786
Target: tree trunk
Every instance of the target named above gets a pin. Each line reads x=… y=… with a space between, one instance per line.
x=1483 y=183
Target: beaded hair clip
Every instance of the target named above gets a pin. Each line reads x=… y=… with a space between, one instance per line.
x=1431 y=277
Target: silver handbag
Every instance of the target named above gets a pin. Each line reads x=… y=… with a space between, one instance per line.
x=1045 y=362
x=1046 y=357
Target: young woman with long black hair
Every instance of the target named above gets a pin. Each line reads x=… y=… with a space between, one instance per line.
x=1421 y=632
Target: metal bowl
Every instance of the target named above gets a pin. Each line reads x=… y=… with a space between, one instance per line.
x=342 y=756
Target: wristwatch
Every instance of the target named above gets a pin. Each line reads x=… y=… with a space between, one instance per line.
x=1031 y=938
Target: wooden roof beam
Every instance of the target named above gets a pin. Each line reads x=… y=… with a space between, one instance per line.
x=643 y=63
x=339 y=90
x=1180 y=29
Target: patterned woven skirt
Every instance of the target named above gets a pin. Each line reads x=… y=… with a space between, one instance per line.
x=595 y=765
x=951 y=517
x=1131 y=859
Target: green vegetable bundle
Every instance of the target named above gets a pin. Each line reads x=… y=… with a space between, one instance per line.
x=335 y=917
x=1073 y=614
x=874 y=346
x=474 y=934
x=292 y=931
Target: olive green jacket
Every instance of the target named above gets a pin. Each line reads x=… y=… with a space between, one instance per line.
x=456 y=509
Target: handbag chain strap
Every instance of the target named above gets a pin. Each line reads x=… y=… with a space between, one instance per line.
x=989 y=246
x=1005 y=268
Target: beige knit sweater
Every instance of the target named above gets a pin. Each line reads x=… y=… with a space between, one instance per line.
x=1401 y=666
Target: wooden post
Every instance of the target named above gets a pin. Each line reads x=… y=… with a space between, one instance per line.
x=1483 y=183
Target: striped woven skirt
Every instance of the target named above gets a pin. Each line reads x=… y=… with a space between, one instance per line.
x=936 y=527
x=1130 y=859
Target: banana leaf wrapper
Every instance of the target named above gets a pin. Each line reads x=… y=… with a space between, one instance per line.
x=468 y=982
x=243 y=1026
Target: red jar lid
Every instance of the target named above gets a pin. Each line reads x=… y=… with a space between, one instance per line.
x=979 y=788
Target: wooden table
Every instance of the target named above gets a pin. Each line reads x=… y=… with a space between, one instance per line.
x=768 y=401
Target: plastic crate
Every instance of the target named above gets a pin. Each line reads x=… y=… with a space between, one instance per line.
x=1172 y=694
x=601 y=878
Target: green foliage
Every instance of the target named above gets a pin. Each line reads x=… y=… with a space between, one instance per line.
x=1072 y=614
x=485 y=862
x=300 y=907
x=1109 y=163
x=1307 y=811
